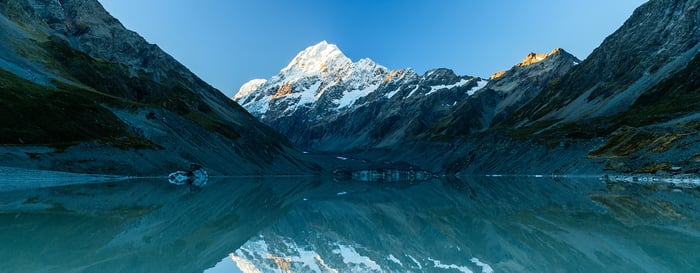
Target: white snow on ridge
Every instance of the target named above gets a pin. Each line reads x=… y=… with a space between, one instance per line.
x=392 y=93
x=394 y=259
x=413 y=91
x=349 y=97
x=315 y=59
x=439 y=264
x=248 y=88
x=480 y=84
x=258 y=106
x=485 y=268
x=415 y=261
x=307 y=96
x=351 y=257
x=434 y=89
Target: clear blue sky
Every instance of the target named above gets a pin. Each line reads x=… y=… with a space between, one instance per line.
x=227 y=43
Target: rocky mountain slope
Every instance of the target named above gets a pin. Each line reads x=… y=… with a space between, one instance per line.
x=314 y=108
x=82 y=93
x=631 y=106
x=505 y=92
x=638 y=91
x=323 y=101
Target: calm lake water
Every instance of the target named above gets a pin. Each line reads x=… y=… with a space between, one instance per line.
x=316 y=224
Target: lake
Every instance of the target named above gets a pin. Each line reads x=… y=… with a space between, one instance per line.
x=319 y=224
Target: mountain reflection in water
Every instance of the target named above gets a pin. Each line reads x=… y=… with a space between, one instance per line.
x=315 y=224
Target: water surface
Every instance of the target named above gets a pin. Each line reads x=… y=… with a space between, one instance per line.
x=316 y=224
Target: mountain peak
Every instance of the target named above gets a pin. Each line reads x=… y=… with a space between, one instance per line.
x=249 y=87
x=557 y=55
x=317 y=58
x=533 y=57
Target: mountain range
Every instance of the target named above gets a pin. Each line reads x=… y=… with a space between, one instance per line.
x=81 y=93
x=631 y=106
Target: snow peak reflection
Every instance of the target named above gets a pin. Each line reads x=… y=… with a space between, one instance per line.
x=196 y=177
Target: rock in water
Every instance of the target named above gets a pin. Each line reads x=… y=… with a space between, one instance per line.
x=199 y=175
x=178 y=178
x=196 y=176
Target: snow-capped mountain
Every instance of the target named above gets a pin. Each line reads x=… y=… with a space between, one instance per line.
x=321 y=74
x=323 y=100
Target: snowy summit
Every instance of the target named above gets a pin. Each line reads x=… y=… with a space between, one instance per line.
x=307 y=78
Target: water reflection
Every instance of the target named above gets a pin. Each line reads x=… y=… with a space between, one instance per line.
x=322 y=225
x=137 y=226
x=484 y=225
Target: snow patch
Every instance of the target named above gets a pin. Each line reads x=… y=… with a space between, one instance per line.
x=438 y=264
x=351 y=96
x=415 y=261
x=485 y=268
x=394 y=259
x=480 y=84
x=350 y=256
x=434 y=89
x=392 y=93
x=413 y=91
x=308 y=96
x=258 y=106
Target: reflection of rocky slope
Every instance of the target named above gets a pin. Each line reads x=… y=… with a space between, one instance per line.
x=138 y=226
x=323 y=101
x=493 y=225
x=104 y=100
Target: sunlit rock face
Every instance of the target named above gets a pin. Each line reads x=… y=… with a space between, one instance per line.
x=533 y=57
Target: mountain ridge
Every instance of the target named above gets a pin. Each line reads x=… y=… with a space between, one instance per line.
x=391 y=96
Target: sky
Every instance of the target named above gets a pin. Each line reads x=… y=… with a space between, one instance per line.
x=229 y=42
